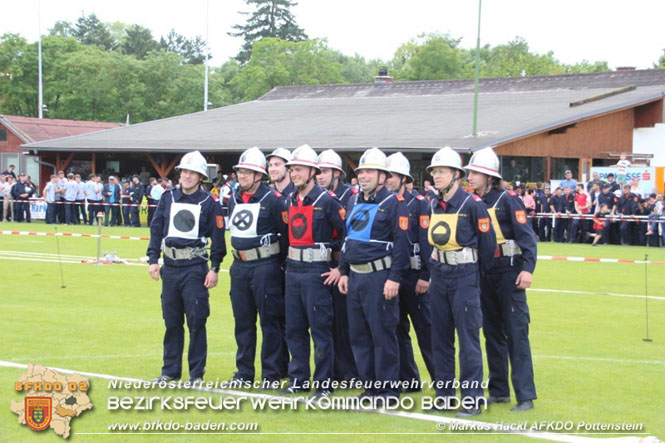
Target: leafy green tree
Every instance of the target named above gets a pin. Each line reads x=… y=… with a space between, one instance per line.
x=271 y=18
x=432 y=57
x=585 y=66
x=277 y=62
x=661 y=61
x=138 y=41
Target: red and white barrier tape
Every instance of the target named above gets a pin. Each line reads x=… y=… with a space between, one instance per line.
x=599 y=260
x=90 y=203
x=613 y=218
x=71 y=234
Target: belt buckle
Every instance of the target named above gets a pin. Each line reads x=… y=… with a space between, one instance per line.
x=451 y=258
x=173 y=252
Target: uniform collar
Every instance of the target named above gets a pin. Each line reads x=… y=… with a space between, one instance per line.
x=341 y=188
x=374 y=198
x=178 y=195
x=457 y=199
x=260 y=192
x=310 y=197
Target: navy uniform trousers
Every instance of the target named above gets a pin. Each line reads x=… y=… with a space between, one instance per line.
x=373 y=330
x=418 y=308
x=309 y=307
x=184 y=296
x=506 y=326
x=345 y=365
x=256 y=287
x=455 y=302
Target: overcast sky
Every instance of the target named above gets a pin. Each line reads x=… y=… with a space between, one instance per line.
x=624 y=33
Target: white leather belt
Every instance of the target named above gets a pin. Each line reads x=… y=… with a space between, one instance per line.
x=310 y=255
x=376 y=265
x=453 y=258
x=256 y=253
x=185 y=253
x=507 y=249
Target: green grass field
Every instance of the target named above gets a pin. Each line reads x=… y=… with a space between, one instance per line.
x=587 y=330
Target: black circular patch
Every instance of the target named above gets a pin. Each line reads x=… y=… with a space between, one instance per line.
x=184 y=221
x=298 y=225
x=360 y=220
x=243 y=219
x=441 y=233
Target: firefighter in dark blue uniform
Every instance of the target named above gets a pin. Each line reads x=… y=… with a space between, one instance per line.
x=461 y=233
x=413 y=297
x=259 y=241
x=543 y=207
x=628 y=206
x=21 y=192
x=607 y=198
x=502 y=287
x=375 y=255
x=330 y=177
x=280 y=181
x=314 y=214
x=185 y=219
x=558 y=207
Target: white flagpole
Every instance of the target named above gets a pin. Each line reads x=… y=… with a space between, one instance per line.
x=39 y=46
x=205 y=87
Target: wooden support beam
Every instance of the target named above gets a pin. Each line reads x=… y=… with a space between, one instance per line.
x=57 y=162
x=348 y=161
x=67 y=161
x=93 y=167
x=157 y=167
x=171 y=165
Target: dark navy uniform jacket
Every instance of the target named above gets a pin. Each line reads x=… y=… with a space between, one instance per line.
x=287 y=191
x=22 y=188
x=511 y=216
x=569 y=202
x=211 y=225
x=628 y=204
x=468 y=233
x=327 y=216
x=271 y=221
x=417 y=207
x=136 y=193
x=385 y=236
x=543 y=202
x=608 y=199
x=558 y=203
x=344 y=192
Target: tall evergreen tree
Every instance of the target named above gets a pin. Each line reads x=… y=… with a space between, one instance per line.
x=91 y=31
x=272 y=18
x=138 y=41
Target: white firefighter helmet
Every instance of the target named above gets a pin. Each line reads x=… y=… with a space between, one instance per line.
x=373 y=158
x=484 y=161
x=282 y=153
x=446 y=157
x=399 y=164
x=305 y=156
x=194 y=161
x=252 y=159
x=331 y=159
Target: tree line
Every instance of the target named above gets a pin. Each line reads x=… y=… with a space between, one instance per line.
x=105 y=71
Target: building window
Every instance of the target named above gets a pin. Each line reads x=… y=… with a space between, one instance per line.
x=561 y=165
x=523 y=169
x=3 y=135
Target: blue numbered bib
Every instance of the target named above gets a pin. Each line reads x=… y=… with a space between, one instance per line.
x=359 y=223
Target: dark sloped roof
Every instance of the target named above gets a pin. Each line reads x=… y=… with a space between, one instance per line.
x=355 y=117
x=31 y=129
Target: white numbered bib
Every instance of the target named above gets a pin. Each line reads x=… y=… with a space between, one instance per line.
x=243 y=220
x=184 y=221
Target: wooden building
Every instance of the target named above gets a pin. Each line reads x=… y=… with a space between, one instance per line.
x=540 y=126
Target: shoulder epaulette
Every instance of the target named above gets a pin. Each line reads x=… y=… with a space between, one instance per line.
x=277 y=194
x=477 y=198
x=513 y=193
x=399 y=197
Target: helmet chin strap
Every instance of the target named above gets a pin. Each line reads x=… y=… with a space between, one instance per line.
x=331 y=186
x=445 y=190
x=309 y=179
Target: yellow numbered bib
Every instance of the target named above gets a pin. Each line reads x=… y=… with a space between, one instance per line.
x=442 y=232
